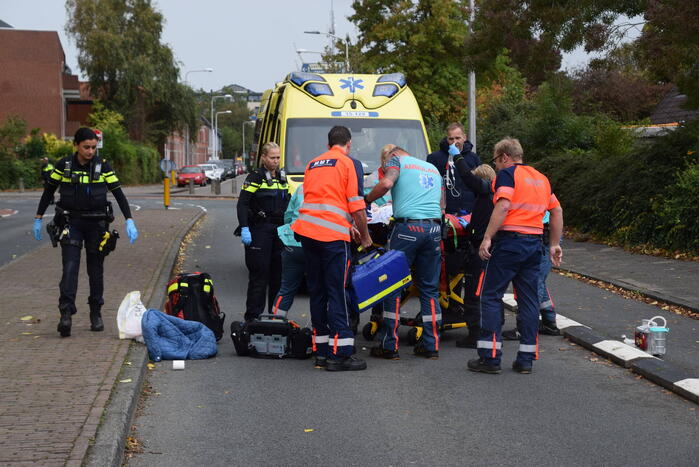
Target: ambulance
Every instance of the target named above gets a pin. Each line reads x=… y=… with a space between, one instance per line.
x=298 y=113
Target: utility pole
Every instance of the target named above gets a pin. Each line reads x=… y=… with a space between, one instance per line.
x=472 y=86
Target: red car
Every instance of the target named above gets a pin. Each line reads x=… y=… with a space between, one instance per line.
x=191 y=172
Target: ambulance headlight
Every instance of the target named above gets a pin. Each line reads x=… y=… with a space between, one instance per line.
x=318 y=89
x=388 y=90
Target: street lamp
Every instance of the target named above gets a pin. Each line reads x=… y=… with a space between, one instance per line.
x=215 y=154
x=337 y=39
x=203 y=70
x=187 y=148
x=213 y=98
x=244 y=155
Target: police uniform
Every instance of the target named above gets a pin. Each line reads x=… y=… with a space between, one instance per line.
x=515 y=257
x=263 y=200
x=46 y=170
x=82 y=216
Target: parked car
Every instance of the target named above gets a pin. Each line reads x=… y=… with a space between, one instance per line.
x=239 y=168
x=212 y=171
x=228 y=168
x=191 y=172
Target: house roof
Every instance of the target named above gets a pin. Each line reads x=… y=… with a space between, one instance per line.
x=670 y=110
x=4 y=24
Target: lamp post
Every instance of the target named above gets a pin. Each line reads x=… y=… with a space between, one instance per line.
x=244 y=154
x=213 y=98
x=187 y=147
x=214 y=156
x=347 y=68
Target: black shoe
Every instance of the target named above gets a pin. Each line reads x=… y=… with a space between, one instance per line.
x=351 y=363
x=524 y=368
x=511 y=335
x=96 y=323
x=420 y=351
x=64 y=324
x=320 y=363
x=549 y=328
x=479 y=365
x=468 y=342
x=380 y=352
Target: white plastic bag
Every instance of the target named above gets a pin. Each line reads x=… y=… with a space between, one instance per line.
x=129 y=316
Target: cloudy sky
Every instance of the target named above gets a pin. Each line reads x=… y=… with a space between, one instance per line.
x=252 y=43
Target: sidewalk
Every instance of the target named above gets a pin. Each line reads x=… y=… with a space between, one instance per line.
x=53 y=390
x=229 y=189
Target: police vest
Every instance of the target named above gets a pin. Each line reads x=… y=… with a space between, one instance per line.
x=82 y=188
x=270 y=196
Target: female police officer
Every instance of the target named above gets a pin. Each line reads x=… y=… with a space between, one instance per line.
x=83 y=215
x=263 y=200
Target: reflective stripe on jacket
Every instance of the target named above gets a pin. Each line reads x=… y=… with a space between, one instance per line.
x=330 y=190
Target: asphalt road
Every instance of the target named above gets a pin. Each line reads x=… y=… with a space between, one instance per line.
x=575 y=408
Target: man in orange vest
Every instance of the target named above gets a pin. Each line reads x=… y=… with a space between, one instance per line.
x=333 y=198
x=512 y=246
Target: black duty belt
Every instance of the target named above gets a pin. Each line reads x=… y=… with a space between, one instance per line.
x=403 y=220
x=509 y=233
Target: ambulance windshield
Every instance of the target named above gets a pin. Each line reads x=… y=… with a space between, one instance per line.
x=307 y=138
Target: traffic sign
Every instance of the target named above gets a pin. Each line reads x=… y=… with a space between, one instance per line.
x=167 y=165
x=100 y=143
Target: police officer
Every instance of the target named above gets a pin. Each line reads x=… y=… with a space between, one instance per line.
x=416 y=189
x=83 y=215
x=261 y=205
x=46 y=169
x=512 y=246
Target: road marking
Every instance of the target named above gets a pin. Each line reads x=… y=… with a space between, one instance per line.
x=620 y=350
x=201 y=207
x=8 y=212
x=138 y=208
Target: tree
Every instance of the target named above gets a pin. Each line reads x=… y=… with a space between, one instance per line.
x=670 y=45
x=422 y=39
x=536 y=32
x=129 y=69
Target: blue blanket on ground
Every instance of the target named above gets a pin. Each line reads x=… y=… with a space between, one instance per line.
x=171 y=338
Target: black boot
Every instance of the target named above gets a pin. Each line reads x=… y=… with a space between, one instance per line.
x=470 y=341
x=65 y=322
x=96 y=323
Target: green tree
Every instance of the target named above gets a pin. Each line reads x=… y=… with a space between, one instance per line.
x=422 y=39
x=129 y=69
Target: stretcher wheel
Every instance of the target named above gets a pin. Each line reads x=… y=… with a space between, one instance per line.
x=369 y=330
x=412 y=336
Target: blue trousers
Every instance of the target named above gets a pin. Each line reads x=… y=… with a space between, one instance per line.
x=293 y=267
x=327 y=269
x=420 y=241
x=514 y=258
x=546 y=307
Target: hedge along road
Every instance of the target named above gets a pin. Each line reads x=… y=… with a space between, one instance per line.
x=575 y=408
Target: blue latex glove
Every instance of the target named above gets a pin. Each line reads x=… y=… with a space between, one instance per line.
x=453 y=150
x=246 y=236
x=131 y=230
x=37 y=229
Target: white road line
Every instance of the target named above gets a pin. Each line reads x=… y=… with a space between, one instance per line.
x=138 y=208
x=201 y=207
x=8 y=212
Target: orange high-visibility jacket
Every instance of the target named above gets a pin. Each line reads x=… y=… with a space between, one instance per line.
x=330 y=195
x=529 y=192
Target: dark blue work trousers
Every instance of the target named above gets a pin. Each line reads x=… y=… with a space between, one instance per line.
x=514 y=258
x=263 y=258
x=87 y=232
x=420 y=241
x=327 y=269
x=293 y=267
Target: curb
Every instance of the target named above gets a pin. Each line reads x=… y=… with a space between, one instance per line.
x=652 y=368
x=108 y=448
x=648 y=293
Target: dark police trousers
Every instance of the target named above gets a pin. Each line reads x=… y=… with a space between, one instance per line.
x=87 y=232
x=263 y=259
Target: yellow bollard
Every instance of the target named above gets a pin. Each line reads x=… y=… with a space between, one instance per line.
x=166 y=192
x=173 y=178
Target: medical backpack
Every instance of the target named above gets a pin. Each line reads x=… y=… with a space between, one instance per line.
x=191 y=296
x=271 y=336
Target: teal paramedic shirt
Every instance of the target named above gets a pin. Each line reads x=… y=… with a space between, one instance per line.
x=286 y=235
x=418 y=191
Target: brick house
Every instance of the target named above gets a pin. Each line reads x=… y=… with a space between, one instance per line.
x=197 y=152
x=36 y=84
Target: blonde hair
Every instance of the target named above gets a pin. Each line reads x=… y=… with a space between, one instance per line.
x=485 y=172
x=385 y=151
x=509 y=146
x=268 y=146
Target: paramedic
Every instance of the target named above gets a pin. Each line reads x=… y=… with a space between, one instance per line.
x=332 y=200
x=261 y=205
x=82 y=216
x=416 y=189
x=512 y=247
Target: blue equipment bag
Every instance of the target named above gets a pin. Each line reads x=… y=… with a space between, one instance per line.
x=378 y=274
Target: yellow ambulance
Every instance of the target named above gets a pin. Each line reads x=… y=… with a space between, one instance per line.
x=298 y=113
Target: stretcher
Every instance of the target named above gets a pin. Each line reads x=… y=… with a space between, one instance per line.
x=455 y=246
